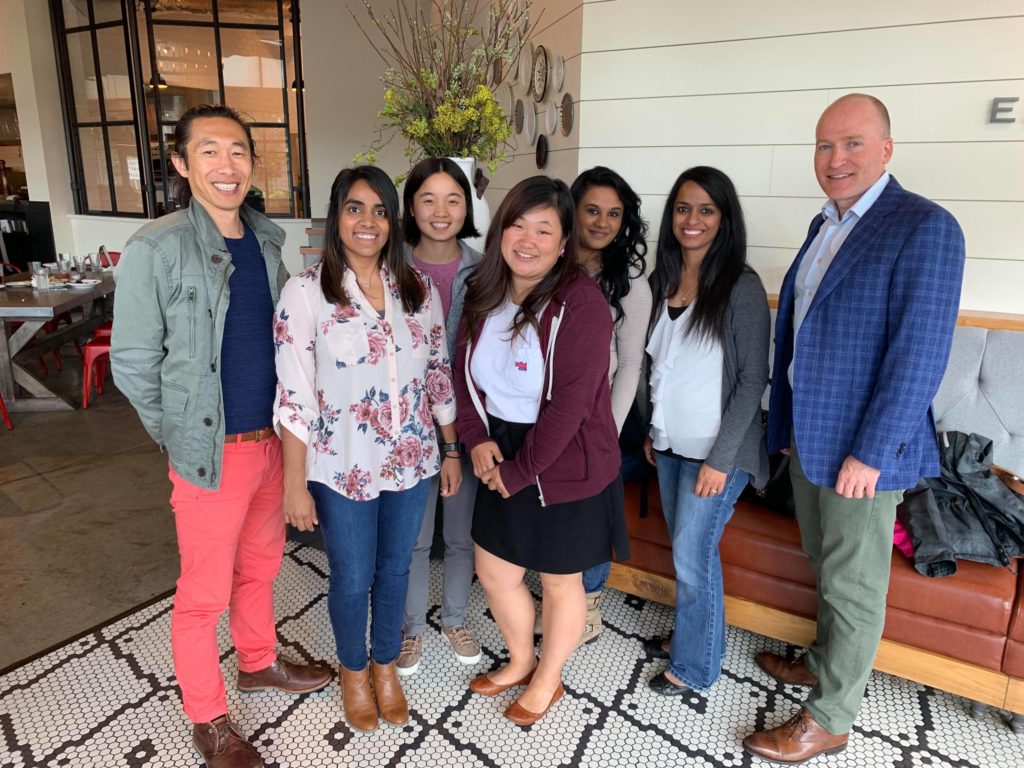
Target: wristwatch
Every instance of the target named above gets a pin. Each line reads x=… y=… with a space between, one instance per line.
x=455 y=447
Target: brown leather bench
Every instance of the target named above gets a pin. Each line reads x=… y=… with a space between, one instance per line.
x=963 y=633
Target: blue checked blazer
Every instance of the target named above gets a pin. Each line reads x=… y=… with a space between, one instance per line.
x=874 y=345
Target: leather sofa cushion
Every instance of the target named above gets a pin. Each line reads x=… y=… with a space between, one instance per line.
x=965 y=616
x=1013 y=661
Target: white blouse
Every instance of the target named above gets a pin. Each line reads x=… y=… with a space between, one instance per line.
x=510 y=372
x=686 y=387
x=360 y=390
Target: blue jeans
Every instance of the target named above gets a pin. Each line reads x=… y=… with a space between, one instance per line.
x=369 y=547
x=695 y=525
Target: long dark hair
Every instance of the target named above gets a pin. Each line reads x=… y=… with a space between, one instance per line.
x=625 y=256
x=422 y=171
x=410 y=287
x=183 y=135
x=491 y=282
x=723 y=264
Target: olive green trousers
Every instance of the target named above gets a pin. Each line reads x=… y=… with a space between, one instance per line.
x=849 y=543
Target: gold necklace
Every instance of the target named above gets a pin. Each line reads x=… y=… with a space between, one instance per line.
x=689 y=295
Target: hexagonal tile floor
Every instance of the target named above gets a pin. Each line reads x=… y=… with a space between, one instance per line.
x=110 y=699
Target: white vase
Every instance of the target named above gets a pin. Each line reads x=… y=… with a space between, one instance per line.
x=481 y=211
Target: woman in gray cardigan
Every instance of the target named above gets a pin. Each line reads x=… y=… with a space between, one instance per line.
x=709 y=369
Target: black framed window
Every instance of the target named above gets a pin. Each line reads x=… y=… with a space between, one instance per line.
x=130 y=68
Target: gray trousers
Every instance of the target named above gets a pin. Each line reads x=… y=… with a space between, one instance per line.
x=458 y=556
x=849 y=544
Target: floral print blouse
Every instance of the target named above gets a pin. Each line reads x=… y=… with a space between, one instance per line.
x=360 y=390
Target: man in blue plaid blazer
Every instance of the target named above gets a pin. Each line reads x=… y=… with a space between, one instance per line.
x=865 y=322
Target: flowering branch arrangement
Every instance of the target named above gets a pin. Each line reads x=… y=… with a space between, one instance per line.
x=439 y=57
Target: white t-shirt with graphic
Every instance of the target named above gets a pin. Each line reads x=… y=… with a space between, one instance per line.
x=509 y=372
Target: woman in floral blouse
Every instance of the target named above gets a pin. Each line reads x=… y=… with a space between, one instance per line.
x=363 y=374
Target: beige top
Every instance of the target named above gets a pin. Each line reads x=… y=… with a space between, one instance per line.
x=627 y=349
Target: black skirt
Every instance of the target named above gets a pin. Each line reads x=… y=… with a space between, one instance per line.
x=559 y=538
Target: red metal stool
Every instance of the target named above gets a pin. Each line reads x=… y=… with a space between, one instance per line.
x=3 y=413
x=96 y=353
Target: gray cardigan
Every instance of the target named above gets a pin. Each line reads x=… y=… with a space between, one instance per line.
x=741 y=437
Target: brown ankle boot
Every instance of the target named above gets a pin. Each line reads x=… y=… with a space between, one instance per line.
x=391 y=701
x=357 y=699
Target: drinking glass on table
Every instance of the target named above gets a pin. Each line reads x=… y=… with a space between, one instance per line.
x=64 y=265
x=41 y=278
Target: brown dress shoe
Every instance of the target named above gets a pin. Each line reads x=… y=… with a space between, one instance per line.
x=522 y=716
x=285 y=676
x=222 y=745
x=357 y=699
x=391 y=701
x=791 y=672
x=483 y=684
x=798 y=739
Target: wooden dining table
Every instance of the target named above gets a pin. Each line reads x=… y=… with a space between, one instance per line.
x=21 y=303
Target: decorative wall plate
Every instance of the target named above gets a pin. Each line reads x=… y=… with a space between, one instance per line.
x=567 y=116
x=525 y=73
x=519 y=115
x=557 y=73
x=550 y=117
x=542 y=151
x=529 y=122
x=540 y=73
x=506 y=99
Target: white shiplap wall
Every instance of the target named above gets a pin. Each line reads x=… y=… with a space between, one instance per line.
x=665 y=84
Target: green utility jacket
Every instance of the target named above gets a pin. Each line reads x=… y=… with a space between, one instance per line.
x=171 y=300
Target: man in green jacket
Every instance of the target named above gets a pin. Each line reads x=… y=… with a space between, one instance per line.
x=193 y=352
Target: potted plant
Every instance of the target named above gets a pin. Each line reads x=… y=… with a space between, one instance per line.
x=442 y=58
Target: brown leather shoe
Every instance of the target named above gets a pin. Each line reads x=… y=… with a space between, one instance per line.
x=483 y=684
x=222 y=745
x=522 y=716
x=798 y=739
x=391 y=701
x=791 y=672
x=357 y=700
x=285 y=676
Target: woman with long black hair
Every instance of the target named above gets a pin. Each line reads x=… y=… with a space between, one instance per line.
x=612 y=245
x=363 y=376
x=709 y=369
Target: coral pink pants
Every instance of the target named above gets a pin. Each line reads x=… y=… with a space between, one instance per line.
x=231 y=542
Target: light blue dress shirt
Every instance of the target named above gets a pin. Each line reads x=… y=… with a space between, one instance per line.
x=822 y=252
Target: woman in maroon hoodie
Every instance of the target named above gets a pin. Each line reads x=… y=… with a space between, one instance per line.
x=535 y=411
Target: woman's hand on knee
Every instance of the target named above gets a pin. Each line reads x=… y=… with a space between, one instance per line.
x=485 y=457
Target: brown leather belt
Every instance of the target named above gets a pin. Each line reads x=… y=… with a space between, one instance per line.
x=255 y=436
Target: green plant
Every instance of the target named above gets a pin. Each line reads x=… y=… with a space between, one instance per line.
x=439 y=56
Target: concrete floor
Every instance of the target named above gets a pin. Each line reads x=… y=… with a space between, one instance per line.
x=86 y=531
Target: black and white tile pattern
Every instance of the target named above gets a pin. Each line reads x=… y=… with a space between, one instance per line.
x=110 y=699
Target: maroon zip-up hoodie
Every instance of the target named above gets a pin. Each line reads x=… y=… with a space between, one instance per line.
x=572 y=452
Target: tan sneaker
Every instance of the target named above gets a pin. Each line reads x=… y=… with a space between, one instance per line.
x=408 y=660
x=594 y=626
x=466 y=648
